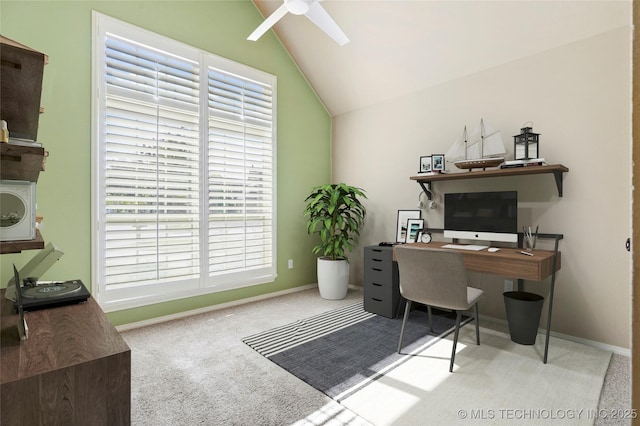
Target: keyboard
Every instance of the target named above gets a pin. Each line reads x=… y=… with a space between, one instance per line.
x=465 y=247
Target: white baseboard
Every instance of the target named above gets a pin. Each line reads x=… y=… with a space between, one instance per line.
x=604 y=346
x=179 y=315
x=130 y=326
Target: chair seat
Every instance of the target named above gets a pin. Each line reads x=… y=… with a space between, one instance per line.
x=473 y=294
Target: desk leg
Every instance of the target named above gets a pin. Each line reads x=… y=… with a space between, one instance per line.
x=546 y=343
x=550 y=309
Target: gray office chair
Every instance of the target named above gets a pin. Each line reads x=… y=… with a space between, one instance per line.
x=436 y=277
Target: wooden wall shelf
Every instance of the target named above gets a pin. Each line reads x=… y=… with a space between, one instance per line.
x=426 y=181
x=18 y=246
x=20 y=162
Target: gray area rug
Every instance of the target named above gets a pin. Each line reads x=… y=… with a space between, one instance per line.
x=336 y=351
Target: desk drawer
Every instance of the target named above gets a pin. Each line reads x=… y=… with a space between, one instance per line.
x=378 y=254
x=381 y=307
x=377 y=290
x=379 y=275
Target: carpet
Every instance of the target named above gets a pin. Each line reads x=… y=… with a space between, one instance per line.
x=350 y=355
x=337 y=351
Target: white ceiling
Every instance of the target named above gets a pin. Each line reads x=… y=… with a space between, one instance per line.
x=398 y=47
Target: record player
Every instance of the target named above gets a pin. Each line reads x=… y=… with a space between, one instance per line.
x=35 y=294
x=50 y=294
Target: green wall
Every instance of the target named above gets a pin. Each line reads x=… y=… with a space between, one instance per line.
x=62 y=30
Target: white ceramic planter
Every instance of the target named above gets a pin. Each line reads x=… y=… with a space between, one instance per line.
x=333 y=278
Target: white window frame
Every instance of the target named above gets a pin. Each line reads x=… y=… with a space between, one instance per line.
x=109 y=297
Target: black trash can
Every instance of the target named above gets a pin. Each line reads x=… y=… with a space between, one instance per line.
x=523 y=315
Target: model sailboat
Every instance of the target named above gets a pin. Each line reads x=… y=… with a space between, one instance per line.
x=483 y=149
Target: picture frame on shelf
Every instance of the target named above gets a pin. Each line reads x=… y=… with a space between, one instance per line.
x=414 y=226
x=425 y=164
x=437 y=163
x=403 y=219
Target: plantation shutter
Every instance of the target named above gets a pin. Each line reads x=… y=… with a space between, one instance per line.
x=152 y=167
x=183 y=170
x=241 y=175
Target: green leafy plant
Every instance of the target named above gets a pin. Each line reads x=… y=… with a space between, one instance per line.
x=336 y=214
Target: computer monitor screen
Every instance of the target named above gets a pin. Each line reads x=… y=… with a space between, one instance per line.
x=488 y=216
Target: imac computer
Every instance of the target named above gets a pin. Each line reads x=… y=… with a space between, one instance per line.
x=486 y=216
x=36 y=267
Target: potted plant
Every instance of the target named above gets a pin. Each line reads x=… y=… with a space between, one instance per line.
x=336 y=214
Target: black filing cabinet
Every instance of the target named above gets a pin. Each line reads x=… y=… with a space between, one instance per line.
x=381 y=291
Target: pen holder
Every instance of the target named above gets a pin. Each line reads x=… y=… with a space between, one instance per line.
x=530 y=237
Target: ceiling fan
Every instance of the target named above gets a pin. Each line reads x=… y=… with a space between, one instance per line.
x=312 y=10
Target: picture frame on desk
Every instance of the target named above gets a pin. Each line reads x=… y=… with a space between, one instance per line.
x=414 y=226
x=403 y=219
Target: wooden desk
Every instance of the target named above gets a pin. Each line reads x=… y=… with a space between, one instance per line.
x=75 y=368
x=509 y=262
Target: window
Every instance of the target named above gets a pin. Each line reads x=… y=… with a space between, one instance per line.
x=183 y=170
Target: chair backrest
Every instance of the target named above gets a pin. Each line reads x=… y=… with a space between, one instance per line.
x=435 y=277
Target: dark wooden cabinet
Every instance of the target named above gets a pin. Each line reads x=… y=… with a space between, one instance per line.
x=74 y=369
x=381 y=290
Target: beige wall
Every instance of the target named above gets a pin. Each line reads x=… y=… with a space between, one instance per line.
x=579 y=98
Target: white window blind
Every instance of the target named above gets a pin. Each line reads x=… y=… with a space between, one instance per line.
x=240 y=173
x=184 y=170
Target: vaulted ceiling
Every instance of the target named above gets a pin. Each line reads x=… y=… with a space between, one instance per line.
x=399 y=47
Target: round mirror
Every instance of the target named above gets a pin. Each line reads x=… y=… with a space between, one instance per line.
x=13 y=210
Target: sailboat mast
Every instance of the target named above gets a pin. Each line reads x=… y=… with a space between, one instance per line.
x=481 y=138
x=465 y=142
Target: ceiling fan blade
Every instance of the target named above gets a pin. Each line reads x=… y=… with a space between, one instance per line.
x=268 y=23
x=319 y=16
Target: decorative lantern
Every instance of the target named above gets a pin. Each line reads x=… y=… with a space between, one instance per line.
x=525 y=145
